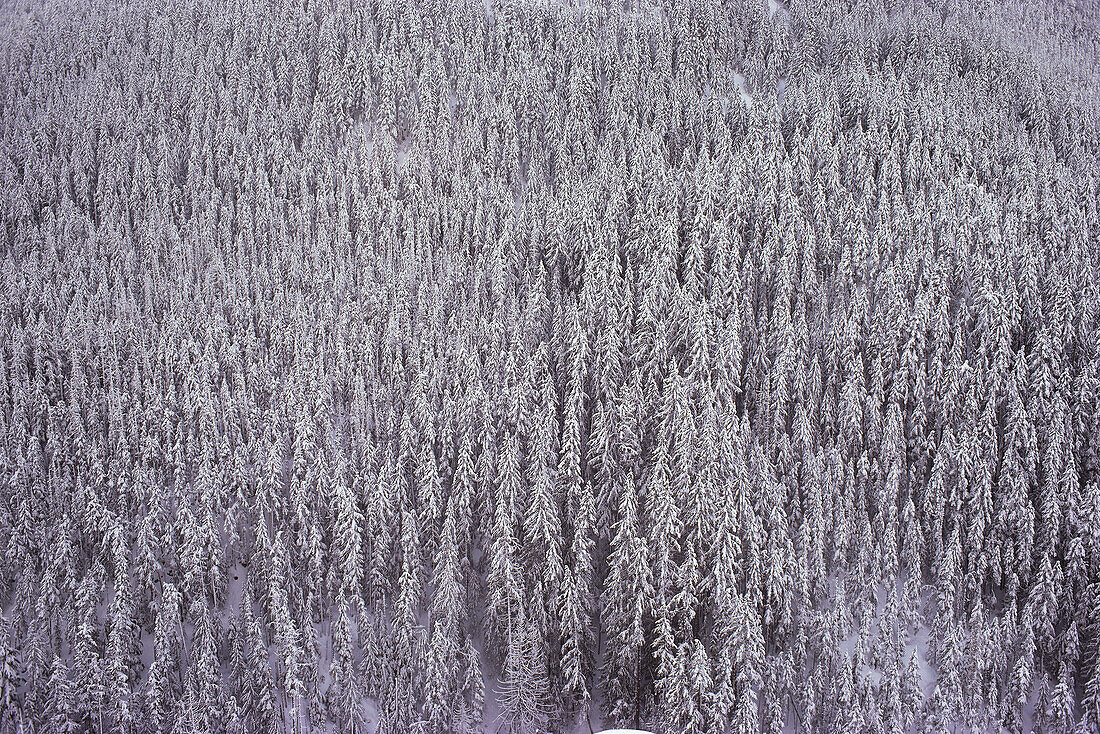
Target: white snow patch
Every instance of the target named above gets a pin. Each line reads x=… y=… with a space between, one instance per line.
x=404 y=151
x=780 y=7
x=235 y=588
x=739 y=82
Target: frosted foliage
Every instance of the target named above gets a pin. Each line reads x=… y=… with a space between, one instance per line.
x=493 y=367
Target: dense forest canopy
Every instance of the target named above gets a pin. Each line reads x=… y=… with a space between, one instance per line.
x=700 y=365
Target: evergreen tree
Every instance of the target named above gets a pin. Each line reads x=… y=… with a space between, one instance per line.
x=524 y=694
